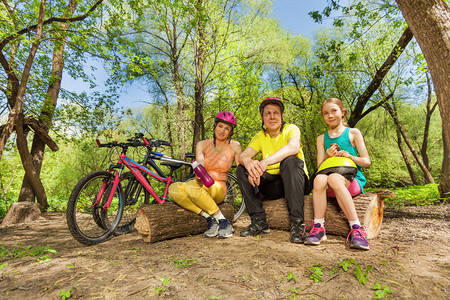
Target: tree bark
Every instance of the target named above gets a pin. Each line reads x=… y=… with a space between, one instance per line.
x=369 y=206
x=426 y=130
x=20 y=213
x=405 y=158
x=429 y=21
x=48 y=108
x=16 y=111
x=159 y=222
x=199 y=126
x=427 y=175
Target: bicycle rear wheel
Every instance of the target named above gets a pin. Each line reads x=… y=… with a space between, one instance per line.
x=135 y=195
x=234 y=196
x=88 y=224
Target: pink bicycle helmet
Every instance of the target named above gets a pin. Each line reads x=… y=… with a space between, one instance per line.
x=227 y=117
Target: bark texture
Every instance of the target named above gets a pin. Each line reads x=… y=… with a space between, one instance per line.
x=369 y=206
x=429 y=21
x=168 y=220
x=20 y=212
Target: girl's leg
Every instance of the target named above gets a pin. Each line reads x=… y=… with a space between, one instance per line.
x=317 y=233
x=320 y=196
x=339 y=185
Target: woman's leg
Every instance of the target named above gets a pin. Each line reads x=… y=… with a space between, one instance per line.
x=201 y=197
x=178 y=194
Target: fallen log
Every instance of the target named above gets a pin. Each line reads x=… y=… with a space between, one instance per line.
x=369 y=207
x=158 y=222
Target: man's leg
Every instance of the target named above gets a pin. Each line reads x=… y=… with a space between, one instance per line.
x=293 y=176
x=253 y=205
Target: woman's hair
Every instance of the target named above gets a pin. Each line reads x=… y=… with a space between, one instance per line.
x=338 y=102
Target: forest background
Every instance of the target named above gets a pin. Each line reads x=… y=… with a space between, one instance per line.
x=193 y=59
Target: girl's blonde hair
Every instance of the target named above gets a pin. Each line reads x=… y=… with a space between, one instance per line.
x=338 y=102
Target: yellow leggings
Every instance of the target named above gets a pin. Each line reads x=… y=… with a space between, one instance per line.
x=197 y=198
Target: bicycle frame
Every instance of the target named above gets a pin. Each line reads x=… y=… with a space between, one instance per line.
x=136 y=169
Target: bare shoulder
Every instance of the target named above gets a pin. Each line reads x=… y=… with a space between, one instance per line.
x=355 y=132
x=235 y=146
x=320 y=138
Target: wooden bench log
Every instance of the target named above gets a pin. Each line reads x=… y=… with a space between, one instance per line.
x=158 y=222
x=369 y=207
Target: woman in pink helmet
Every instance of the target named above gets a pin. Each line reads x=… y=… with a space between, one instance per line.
x=216 y=155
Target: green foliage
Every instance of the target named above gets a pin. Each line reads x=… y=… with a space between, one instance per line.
x=65 y=294
x=381 y=291
x=160 y=290
x=183 y=263
x=316 y=272
x=290 y=276
x=42 y=254
x=359 y=272
x=416 y=196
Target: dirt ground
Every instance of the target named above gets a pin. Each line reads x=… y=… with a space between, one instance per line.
x=410 y=256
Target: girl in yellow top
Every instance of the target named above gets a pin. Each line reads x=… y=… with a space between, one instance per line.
x=217 y=156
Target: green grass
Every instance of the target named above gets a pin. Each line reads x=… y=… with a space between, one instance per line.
x=414 y=195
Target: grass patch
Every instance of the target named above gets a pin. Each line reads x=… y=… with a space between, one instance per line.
x=417 y=195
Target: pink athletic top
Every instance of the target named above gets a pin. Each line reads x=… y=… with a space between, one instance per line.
x=218 y=164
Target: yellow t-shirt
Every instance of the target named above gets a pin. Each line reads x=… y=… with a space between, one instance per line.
x=267 y=145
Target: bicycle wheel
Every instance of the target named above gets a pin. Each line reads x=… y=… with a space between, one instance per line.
x=135 y=195
x=234 y=196
x=92 y=225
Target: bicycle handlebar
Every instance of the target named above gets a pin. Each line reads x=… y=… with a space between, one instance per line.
x=137 y=141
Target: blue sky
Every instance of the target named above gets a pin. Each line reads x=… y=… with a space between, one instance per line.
x=293 y=15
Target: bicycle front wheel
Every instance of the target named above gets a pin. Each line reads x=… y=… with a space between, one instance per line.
x=89 y=224
x=234 y=196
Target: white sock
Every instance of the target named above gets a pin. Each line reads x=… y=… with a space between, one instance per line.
x=204 y=214
x=354 y=222
x=319 y=221
x=219 y=216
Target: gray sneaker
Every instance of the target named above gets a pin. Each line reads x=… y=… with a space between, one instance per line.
x=213 y=228
x=225 y=229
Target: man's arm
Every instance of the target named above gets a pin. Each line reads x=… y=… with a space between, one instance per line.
x=292 y=148
x=254 y=167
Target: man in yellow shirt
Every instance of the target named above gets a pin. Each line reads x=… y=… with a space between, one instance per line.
x=281 y=172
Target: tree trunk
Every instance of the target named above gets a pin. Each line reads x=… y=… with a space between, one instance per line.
x=405 y=158
x=369 y=207
x=20 y=212
x=159 y=222
x=16 y=111
x=429 y=21
x=357 y=112
x=199 y=126
x=48 y=107
x=30 y=171
x=426 y=130
x=426 y=172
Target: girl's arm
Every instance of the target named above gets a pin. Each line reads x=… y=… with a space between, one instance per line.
x=357 y=141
